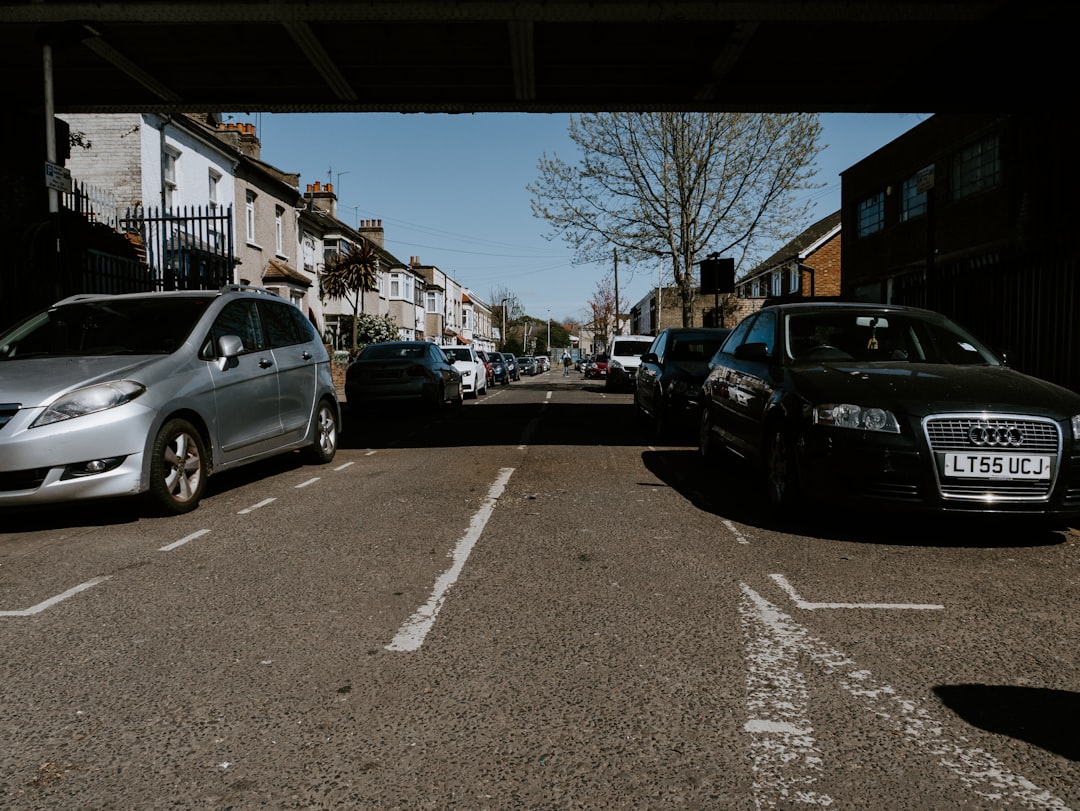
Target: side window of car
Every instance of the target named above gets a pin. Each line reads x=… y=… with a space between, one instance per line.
x=659 y=343
x=239 y=318
x=738 y=335
x=763 y=331
x=279 y=323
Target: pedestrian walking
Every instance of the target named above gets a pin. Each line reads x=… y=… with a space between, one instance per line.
x=566 y=363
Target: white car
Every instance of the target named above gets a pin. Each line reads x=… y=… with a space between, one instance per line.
x=472 y=368
x=624 y=357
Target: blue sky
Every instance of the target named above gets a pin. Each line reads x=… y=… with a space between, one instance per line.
x=451 y=190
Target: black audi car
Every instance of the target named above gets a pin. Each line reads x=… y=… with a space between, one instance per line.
x=889 y=406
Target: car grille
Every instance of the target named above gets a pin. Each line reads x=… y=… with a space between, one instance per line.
x=22 y=479
x=1031 y=435
x=7 y=411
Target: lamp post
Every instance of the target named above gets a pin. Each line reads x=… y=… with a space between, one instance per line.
x=502 y=336
x=549 y=332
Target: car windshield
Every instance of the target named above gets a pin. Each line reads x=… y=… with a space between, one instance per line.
x=634 y=348
x=457 y=353
x=135 y=326
x=870 y=336
x=694 y=348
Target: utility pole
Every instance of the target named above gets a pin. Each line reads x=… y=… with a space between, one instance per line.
x=615 y=256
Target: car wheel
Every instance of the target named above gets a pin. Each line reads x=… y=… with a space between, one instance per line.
x=458 y=401
x=608 y=385
x=178 y=468
x=324 y=445
x=782 y=479
x=437 y=398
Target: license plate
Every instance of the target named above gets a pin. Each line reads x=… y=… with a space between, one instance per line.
x=997 y=466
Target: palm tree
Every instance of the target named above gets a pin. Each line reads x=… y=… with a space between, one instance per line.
x=348 y=276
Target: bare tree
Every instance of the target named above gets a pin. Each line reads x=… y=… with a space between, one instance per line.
x=604 y=321
x=679 y=185
x=348 y=276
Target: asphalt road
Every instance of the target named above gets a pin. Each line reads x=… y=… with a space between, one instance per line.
x=529 y=604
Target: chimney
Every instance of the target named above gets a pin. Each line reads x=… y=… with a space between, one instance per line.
x=322 y=198
x=372 y=230
x=243 y=137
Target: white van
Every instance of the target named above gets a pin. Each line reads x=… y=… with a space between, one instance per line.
x=624 y=357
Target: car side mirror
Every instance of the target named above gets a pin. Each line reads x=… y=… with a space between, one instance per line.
x=755 y=352
x=650 y=357
x=229 y=346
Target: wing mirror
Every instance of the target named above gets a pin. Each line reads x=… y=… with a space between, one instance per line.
x=754 y=352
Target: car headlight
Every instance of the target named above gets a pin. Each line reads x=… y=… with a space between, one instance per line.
x=92 y=399
x=615 y=365
x=846 y=415
x=687 y=388
x=466 y=373
x=1076 y=427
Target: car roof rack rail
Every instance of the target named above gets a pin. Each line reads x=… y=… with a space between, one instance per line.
x=246 y=288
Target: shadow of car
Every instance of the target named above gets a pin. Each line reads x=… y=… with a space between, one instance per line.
x=410 y=373
x=889 y=407
x=152 y=393
x=667 y=386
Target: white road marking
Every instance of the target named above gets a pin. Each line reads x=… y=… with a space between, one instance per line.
x=411 y=634
x=184 y=540
x=254 y=507
x=37 y=609
x=309 y=481
x=349 y=464
x=801 y=603
x=739 y=537
x=785 y=759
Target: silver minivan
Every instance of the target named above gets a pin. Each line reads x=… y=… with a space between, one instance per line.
x=151 y=393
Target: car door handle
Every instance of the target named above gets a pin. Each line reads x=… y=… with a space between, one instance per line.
x=265 y=363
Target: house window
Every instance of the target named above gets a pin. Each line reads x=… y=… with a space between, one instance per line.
x=975 y=168
x=214 y=190
x=279 y=227
x=168 y=176
x=249 y=216
x=395 y=285
x=432 y=302
x=913 y=194
x=871 y=215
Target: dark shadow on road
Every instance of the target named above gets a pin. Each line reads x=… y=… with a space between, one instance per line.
x=1043 y=717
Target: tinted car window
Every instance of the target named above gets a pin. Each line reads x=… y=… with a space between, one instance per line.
x=239 y=318
x=738 y=335
x=280 y=325
x=133 y=326
x=763 y=331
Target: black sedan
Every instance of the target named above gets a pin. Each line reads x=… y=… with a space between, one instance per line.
x=892 y=407
x=667 y=386
x=402 y=373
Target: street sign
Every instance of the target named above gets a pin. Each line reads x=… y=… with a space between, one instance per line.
x=57 y=177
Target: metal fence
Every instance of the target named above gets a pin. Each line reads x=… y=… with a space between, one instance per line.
x=190 y=248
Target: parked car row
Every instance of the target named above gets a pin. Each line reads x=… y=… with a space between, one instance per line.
x=870 y=405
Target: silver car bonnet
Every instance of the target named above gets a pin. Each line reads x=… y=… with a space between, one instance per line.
x=39 y=381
